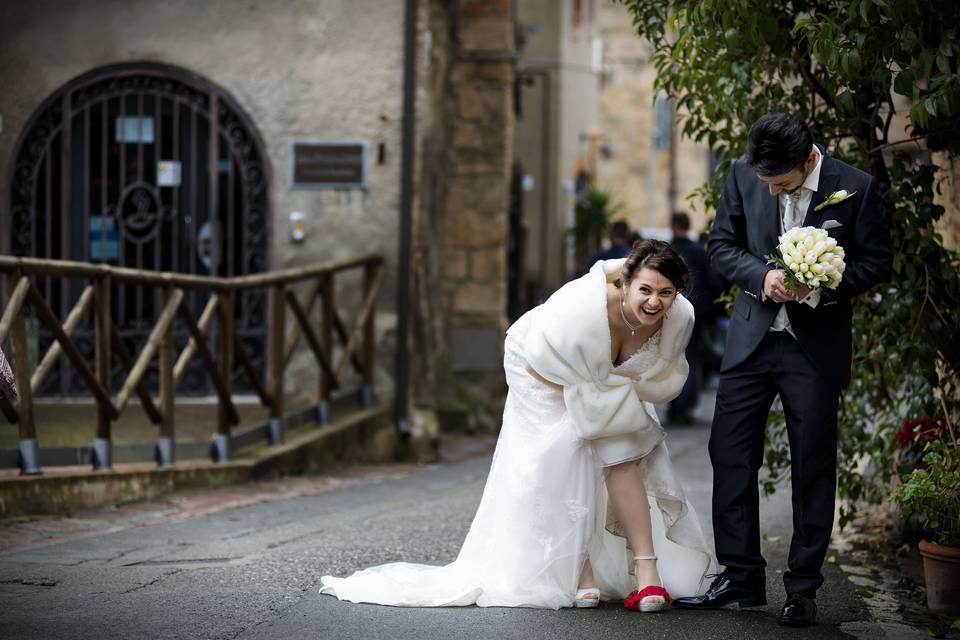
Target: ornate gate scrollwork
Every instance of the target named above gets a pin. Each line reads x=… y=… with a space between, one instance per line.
x=145 y=166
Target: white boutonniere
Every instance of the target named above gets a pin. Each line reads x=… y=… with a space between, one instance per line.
x=835 y=198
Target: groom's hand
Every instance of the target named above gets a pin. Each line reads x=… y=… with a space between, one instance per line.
x=774 y=287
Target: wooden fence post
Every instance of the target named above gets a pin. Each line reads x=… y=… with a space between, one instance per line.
x=166 y=444
x=20 y=363
x=358 y=346
x=278 y=304
x=227 y=331
x=370 y=272
x=102 y=444
x=327 y=311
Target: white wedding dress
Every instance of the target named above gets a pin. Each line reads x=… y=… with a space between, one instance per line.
x=544 y=511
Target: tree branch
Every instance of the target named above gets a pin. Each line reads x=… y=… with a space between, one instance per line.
x=886 y=125
x=806 y=70
x=909 y=140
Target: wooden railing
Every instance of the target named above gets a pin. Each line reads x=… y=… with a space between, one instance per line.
x=320 y=334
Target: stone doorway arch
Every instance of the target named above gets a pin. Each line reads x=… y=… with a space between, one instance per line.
x=147 y=166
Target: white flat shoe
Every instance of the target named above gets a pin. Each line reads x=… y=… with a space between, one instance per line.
x=587 y=598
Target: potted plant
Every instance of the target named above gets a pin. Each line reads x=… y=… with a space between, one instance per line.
x=592 y=212
x=930 y=495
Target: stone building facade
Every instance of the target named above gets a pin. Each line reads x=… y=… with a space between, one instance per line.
x=302 y=70
x=558 y=69
x=291 y=71
x=294 y=68
x=646 y=164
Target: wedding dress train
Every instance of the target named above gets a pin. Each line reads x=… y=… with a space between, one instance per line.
x=544 y=511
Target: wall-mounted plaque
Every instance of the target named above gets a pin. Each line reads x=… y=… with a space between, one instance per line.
x=134 y=129
x=104 y=239
x=328 y=164
x=168 y=173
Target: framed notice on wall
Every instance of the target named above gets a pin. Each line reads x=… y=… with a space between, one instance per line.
x=328 y=164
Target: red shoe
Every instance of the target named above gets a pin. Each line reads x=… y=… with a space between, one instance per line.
x=651 y=598
x=648 y=600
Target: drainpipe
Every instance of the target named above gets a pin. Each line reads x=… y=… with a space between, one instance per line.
x=525 y=74
x=401 y=408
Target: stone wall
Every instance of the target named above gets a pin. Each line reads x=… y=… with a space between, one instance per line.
x=636 y=171
x=331 y=69
x=948 y=197
x=471 y=269
x=474 y=233
x=299 y=69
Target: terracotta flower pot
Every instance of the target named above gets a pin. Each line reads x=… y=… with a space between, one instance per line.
x=941 y=571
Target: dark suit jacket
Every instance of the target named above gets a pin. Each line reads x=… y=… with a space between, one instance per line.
x=746 y=230
x=702 y=291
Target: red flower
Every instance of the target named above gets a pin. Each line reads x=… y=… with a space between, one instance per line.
x=920 y=431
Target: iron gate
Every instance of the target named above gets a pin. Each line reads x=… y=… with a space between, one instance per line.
x=149 y=167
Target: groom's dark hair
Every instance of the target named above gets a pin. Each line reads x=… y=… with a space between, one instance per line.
x=778 y=143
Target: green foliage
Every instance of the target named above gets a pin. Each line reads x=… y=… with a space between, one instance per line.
x=931 y=494
x=592 y=214
x=852 y=69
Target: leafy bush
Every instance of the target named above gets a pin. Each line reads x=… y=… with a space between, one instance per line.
x=931 y=493
x=847 y=68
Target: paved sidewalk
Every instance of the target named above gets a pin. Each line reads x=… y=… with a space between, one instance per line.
x=245 y=562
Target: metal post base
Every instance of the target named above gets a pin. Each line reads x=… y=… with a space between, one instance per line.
x=366 y=396
x=29 y=457
x=275 y=434
x=165 y=452
x=102 y=454
x=323 y=412
x=221 y=448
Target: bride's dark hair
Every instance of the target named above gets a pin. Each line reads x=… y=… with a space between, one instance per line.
x=659 y=256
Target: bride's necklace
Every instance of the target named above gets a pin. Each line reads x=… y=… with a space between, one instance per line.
x=623 y=316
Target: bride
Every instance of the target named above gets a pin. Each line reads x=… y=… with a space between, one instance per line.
x=581 y=500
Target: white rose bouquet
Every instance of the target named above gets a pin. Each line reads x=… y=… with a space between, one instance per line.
x=809 y=257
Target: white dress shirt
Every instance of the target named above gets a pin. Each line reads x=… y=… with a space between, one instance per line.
x=806 y=191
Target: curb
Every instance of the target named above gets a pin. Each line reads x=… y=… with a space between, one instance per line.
x=367 y=435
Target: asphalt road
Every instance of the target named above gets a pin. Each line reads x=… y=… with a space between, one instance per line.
x=245 y=562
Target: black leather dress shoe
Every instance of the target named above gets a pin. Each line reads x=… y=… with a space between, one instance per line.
x=725 y=591
x=798 y=611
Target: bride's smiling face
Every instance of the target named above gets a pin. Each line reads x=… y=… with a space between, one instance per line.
x=648 y=296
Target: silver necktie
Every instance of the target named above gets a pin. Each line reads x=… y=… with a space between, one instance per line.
x=791 y=211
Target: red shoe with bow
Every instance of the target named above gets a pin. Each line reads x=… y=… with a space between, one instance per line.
x=651 y=598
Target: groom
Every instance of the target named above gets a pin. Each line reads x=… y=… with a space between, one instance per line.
x=799 y=348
